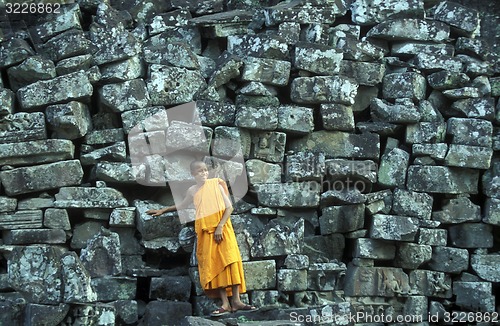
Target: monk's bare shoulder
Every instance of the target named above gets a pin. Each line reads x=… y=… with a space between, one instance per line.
x=192 y=190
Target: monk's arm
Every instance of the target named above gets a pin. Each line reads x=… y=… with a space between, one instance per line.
x=184 y=204
x=225 y=215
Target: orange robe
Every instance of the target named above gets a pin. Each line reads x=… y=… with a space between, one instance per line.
x=219 y=264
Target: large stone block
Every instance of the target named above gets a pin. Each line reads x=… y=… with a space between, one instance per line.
x=324 y=12
x=262 y=172
x=101 y=257
x=463 y=19
x=430 y=283
x=457 y=210
x=112 y=44
x=393 y=167
x=268 y=146
x=14 y=51
x=262 y=118
x=321 y=248
x=374 y=249
x=471 y=235
x=114 y=288
x=441 y=179
x=433 y=237
x=279 y=239
x=295 y=119
x=416 y=29
x=41 y=177
x=32 y=236
x=492 y=211
x=267 y=71
x=336 y=144
x=412 y=255
x=260 y=274
x=341 y=219
x=304 y=166
x=125 y=96
x=36 y=152
x=260 y=46
x=89 y=197
x=324 y=89
x=337 y=117
x=291 y=194
x=172 y=85
x=230 y=142
x=215 y=114
x=486 y=266
x=174 y=288
x=90 y=155
x=410 y=85
x=69 y=121
x=483 y=108
x=177 y=54
x=403 y=111
x=473 y=132
x=152 y=227
x=160 y=313
x=364 y=73
x=292 y=280
x=119 y=172
x=43 y=313
x=474 y=296
x=318 y=59
x=369 y=12
x=425 y=132
x=31 y=70
x=411 y=203
x=77 y=281
x=392 y=227
x=65 y=88
x=22 y=126
x=449 y=260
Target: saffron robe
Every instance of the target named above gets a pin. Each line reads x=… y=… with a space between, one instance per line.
x=219 y=264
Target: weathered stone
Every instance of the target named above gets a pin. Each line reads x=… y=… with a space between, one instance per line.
x=161 y=22
x=432 y=62
x=105 y=136
x=268 y=146
x=230 y=142
x=126 y=311
x=65 y=45
x=393 y=227
x=475 y=107
x=31 y=236
x=324 y=248
x=172 y=85
x=486 y=266
x=471 y=235
x=177 y=54
x=492 y=211
x=341 y=219
x=443 y=80
x=404 y=111
x=411 y=255
x=21 y=219
x=36 y=272
x=129 y=95
x=292 y=194
x=112 y=44
x=339 y=144
x=291 y=280
x=76 y=280
x=174 y=288
x=262 y=172
x=6 y=102
x=425 y=132
x=92 y=313
x=464 y=19
x=469 y=156
x=64 y=88
x=45 y=314
x=69 y=121
x=295 y=119
x=55 y=218
x=413 y=204
x=374 y=249
x=304 y=166
x=278 y=239
x=370 y=12
x=69 y=18
x=449 y=260
x=320 y=89
x=360 y=281
x=318 y=59
x=458 y=210
x=414 y=48
x=491 y=181
x=441 y=179
x=7 y=204
x=263 y=118
x=430 y=283
x=410 y=85
x=14 y=51
x=393 y=167
x=89 y=197
x=214 y=114
x=152 y=227
x=259 y=46
x=474 y=296
x=147 y=119
x=182 y=32
x=114 y=288
x=432 y=237
x=474 y=132
x=19 y=127
x=297 y=261
x=365 y=73
x=74 y=64
x=435 y=151
x=462 y=93
x=337 y=117
x=115 y=152
x=267 y=71
x=260 y=274
x=474 y=66
x=298 y=12
x=41 y=177
x=36 y=152
x=316 y=33
x=101 y=256
x=354 y=49
x=118 y=172
x=416 y=29
x=31 y=70
x=341 y=193
x=121 y=71
x=159 y=313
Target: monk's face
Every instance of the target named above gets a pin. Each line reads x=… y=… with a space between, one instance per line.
x=200 y=172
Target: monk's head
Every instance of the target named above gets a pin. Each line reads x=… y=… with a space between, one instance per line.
x=199 y=171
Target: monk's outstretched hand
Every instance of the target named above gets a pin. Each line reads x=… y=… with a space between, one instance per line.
x=155 y=212
x=218 y=235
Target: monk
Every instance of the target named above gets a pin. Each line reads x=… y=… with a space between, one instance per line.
x=219 y=260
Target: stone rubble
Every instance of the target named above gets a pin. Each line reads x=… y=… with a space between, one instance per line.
x=367 y=134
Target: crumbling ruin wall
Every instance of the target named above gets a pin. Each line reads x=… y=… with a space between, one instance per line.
x=370 y=135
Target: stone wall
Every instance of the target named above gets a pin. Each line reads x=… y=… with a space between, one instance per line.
x=370 y=135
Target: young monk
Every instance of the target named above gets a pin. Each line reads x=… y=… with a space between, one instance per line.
x=219 y=260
